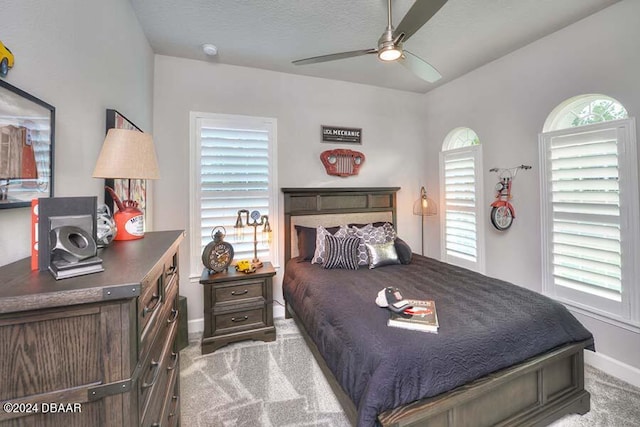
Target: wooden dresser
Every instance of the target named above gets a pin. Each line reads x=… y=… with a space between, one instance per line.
x=237 y=306
x=94 y=350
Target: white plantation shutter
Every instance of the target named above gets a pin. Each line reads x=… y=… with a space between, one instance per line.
x=234 y=169
x=587 y=191
x=460 y=232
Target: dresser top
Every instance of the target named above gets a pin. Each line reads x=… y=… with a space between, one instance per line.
x=126 y=265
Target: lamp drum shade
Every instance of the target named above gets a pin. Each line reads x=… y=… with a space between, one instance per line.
x=127 y=154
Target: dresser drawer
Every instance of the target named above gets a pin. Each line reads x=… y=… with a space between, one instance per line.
x=167 y=311
x=170 y=415
x=156 y=375
x=238 y=291
x=173 y=409
x=171 y=271
x=150 y=300
x=239 y=320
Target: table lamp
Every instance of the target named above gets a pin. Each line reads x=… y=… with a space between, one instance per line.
x=257 y=220
x=127 y=154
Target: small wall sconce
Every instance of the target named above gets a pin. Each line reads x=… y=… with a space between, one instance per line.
x=257 y=220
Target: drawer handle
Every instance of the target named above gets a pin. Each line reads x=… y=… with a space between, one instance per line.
x=155 y=366
x=146 y=310
x=239 y=319
x=235 y=294
x=175 y=356
x=174 y=412
x=172 y=270
x=174 y=317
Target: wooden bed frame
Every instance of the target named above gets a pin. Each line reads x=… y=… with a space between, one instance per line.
x=533 y=393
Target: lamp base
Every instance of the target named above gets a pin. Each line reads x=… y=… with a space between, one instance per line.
x=256 y=263
x=130 y=224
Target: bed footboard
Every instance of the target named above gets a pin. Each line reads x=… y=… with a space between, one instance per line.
x=533 y=393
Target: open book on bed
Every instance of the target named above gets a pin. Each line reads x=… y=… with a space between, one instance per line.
x=421 y=317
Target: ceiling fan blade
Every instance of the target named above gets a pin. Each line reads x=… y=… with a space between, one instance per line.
x=419 y=67
x=334 y=56
x=418 y=15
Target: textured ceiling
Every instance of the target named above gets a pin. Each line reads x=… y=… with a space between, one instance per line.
x=269 y=34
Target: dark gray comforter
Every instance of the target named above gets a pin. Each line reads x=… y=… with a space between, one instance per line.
x=485 y=325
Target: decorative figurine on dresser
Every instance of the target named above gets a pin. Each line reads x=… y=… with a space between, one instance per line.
x=93 y=350
x=237 y=301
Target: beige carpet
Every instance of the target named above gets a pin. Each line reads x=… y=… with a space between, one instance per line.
x=279 y=384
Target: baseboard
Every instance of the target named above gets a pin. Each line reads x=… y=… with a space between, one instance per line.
x=196 y=325
x=613 y=367
x=278 y=311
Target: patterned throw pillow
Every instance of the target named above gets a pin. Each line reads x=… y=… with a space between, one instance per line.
x=320 y=254
x=341 y=252
x=374 y=236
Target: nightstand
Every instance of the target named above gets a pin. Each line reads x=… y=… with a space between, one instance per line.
x=237 y=306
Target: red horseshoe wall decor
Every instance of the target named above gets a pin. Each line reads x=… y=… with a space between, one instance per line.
x=342 y=162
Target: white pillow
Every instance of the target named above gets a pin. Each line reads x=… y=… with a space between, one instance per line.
x=320 y=254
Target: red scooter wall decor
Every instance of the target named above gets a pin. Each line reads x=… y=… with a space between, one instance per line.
x=502 y=211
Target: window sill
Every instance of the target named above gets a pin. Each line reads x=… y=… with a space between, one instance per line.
x=629 y=325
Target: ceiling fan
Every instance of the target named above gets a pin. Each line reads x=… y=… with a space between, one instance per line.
x=390 y=43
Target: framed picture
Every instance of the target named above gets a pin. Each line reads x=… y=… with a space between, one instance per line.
x=27 y=128
x=121 y=186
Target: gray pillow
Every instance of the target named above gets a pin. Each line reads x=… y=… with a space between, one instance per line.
x=382 y=254
x=307 y=241
x=404 y=251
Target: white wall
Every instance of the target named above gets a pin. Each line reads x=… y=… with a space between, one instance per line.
x=392 y=137
x=507 y=101
x=82 y=57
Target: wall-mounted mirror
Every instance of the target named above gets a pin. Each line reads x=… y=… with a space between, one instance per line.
x=27 y=127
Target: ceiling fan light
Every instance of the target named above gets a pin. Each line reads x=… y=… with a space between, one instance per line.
x=389 y=53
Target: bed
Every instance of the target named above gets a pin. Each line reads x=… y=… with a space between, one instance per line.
x=476 y=371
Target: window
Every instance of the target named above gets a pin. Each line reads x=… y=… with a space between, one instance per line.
x=590 y=207
x=461 y=187
x=233 y=167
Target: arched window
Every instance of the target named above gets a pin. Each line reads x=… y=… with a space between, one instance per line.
x=590 y=206
x=460 y=137
x=461 y=187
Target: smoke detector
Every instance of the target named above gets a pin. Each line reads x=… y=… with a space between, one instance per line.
x=210 y=49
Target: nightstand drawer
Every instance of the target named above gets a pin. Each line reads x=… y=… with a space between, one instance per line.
x=239 y=291
x=239 y=320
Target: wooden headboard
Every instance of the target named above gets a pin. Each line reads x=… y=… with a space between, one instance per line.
x=300 y=202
